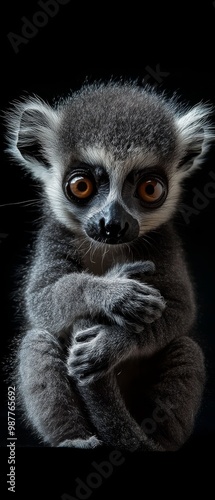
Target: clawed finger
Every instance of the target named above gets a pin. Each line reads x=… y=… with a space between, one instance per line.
x=88 y=334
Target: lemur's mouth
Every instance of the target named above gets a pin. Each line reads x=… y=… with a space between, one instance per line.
x=110 y=241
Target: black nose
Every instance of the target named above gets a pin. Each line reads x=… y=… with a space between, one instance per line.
x=114 y=226
x=113 y=230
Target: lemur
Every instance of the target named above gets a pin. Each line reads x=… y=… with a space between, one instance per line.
x=108 y=339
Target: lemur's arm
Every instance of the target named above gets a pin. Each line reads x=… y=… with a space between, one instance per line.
x=59 y=293
x=98 y=347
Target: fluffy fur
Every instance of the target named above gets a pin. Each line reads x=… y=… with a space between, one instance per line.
x=108 y=354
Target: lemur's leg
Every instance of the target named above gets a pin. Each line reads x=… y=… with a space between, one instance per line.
x=114 y=424
x=170 y=400
x=48 y=398
x=175 y=394
x=106 y=408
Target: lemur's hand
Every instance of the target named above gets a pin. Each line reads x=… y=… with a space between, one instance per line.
x=124 y=299
x=90 y=354
x=128 y=304
x=96 y=349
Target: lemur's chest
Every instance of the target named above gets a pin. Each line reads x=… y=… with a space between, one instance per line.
x=98 y=259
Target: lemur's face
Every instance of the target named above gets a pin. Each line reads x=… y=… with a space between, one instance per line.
x=111 y=158
x=121 y=153
x=113 y=208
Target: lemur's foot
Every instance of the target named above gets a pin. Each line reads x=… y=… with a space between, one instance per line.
x=89 y=443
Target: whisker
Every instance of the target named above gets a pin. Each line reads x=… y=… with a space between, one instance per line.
x=25 y=203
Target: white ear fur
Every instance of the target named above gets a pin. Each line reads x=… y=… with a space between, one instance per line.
x=196 y=133
x=33 y=123
x=29 y=123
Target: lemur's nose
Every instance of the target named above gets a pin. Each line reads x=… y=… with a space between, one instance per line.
x=113 y=229
x=114 y=226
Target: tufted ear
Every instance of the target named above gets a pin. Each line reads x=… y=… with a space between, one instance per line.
x=32 y=126
x=196 y=133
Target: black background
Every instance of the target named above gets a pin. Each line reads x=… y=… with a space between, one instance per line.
x=172 y=46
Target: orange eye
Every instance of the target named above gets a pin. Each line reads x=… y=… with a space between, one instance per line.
x=151 y=191
x=81 y=187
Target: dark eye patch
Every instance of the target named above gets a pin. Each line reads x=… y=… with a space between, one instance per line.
x=83 y=182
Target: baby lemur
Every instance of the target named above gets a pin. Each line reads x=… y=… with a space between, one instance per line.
x=108 y=355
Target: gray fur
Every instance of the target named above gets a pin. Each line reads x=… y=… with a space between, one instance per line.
x=109 y=307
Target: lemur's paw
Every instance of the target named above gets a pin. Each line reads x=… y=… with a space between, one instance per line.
x=90 y=355
x=128 y=298
x=135 y=302
x=89 y=443
x=87 y=334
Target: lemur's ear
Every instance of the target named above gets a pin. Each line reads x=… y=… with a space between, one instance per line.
x=32 y=127
x=196 y=133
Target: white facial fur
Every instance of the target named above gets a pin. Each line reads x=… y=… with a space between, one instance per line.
x=34 y=121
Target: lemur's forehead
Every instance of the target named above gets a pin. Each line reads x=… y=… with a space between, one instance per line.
x=115 y=166
x=124 y=123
